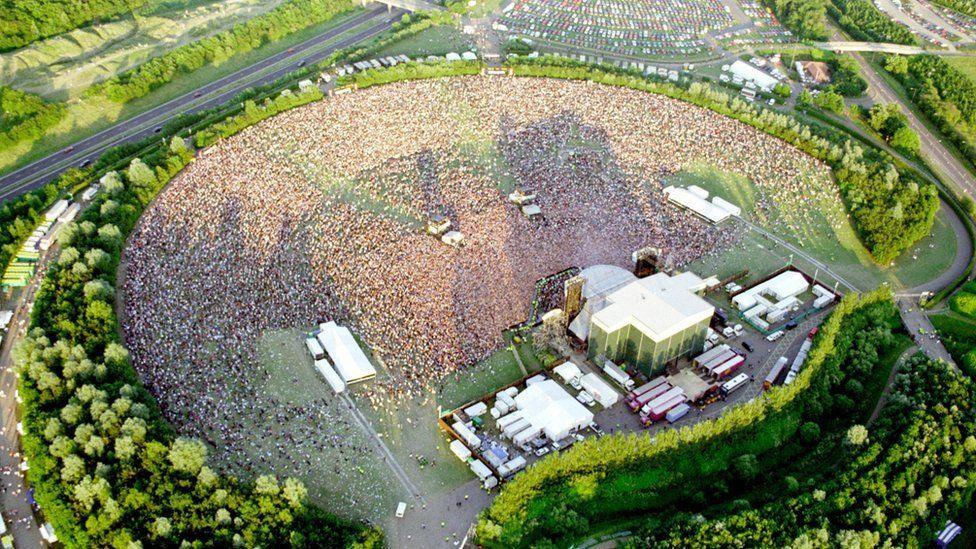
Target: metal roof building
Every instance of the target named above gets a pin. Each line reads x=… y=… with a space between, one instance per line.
x=349 y=359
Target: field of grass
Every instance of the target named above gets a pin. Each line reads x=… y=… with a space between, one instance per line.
x=371 y=491
x=86 y=117
x=62 y=67
x=436 y=40
x=820 y=230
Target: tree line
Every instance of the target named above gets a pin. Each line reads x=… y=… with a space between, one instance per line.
x=963 y=6
x=286 y=19
x=890 y=209
x=25 y=116
x=894 y=484
x=24 y=21
x=945 y=95
x=863 y=21
x=106 y=468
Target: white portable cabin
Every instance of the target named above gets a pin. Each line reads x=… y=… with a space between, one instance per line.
x=5 y=318
x=479 y=468
x=56 y=210
x=601 y=390
x=314 y=348
x=512 y=466
x=477 y=409
x=90 y=193
x=567 y=371
x=516 y=427
x=70 y=214
x=467 y=435
x=330 y=375
x=525 y=436
x=505 y=421
x=460 y=450
x=453 y=238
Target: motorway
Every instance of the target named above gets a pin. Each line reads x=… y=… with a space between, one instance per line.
x=217 y=93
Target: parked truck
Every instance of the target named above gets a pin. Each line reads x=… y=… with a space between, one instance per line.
x=678 y=412
x=617 y=374
x=660 y=407
x=775 y=372
x=729 y=367
x=642 y=400
x=656 y=382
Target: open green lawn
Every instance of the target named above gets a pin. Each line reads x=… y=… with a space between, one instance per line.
x=436 y=40
x=86 y=117
x=820 y=230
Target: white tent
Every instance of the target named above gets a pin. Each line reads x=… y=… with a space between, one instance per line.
x=567 y=371
x=349 y=359
x=550 y=409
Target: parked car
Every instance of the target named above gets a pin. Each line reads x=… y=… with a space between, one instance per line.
x=542 y=451
x=748 y=346
x=596 y=428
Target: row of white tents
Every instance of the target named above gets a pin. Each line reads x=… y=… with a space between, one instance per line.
x=351 y=365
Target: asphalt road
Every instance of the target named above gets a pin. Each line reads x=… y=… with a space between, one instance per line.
x=211 y=95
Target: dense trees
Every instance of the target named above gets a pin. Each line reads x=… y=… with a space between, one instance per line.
x=863 y=21
x=287 y=18
x=23 y=21
x=944 y=94
x=890 y=210
x=804 y=17
x=894 y=483
x=749 y=455
x=106 y=468
x=25 y=116
x=892 y=124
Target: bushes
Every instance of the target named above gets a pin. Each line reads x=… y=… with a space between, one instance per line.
x=244 y=37
x=964 y=303
x=863 y=21
x=890 y=210
x=25 y=116
x=963 y=6
x=412 y=71
x=106 y=468
x=628 y=474
x=805 y=18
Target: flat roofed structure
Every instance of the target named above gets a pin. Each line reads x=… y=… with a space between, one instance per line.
x=598 y=282
x=694 y=202
x=552 y=410
x=651 y=322
x=782 y=286
x=349 y=359
x=747 y=72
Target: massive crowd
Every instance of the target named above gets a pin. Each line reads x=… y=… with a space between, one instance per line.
x=319 y=214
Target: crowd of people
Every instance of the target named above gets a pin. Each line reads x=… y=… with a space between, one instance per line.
x=320 y=214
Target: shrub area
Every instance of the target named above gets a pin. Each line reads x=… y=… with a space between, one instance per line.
x=890 y=209
x=106 y=468
x=963 y=6
x=25 y=116
x=730 y=459
x=287 y=18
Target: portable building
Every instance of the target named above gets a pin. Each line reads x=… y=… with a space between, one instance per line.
x=601 y=390
x=477 y=409
x=330 y=375
x=467 y=435
x=479 y=468
x=525 y=436
x=729 y=367
x=516 y=427
x=512 y=466
x=551 y=409
x=56 y=210
x=5 y=318
x=505 y=421
x=314 y=348
x=823 y=301
x=460 y=450
x=567 y=371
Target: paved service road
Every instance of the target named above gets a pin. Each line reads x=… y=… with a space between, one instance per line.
x=34 y=175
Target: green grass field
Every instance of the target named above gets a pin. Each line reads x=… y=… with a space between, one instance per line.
x=820 y=230
x=436 y=40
